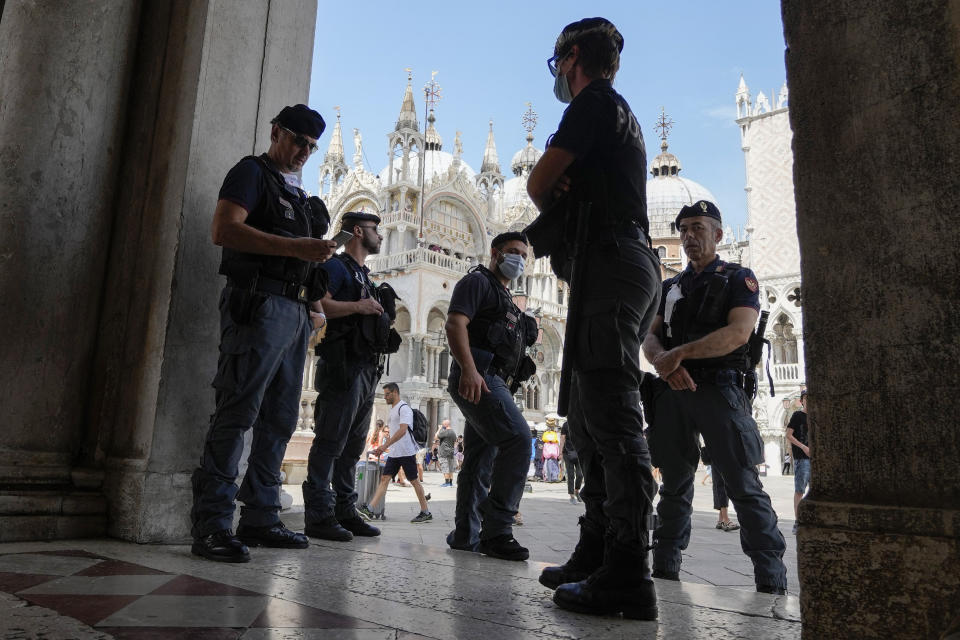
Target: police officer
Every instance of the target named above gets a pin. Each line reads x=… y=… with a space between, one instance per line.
x=699 y=346
x=488 y=337
x=348 y=370
x=598 y=156
x=270 y=233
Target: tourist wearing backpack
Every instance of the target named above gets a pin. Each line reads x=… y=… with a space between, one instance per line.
x=403 y=454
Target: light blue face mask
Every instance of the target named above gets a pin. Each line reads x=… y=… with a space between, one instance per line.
x=561 y=89
x=511 y=266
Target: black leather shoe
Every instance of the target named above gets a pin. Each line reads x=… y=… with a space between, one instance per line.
x=358 y=527
x=769 y=588
x=221 y=546
x=606 y=593
x=666 y=575
x=504 y=547
x=328 y=529
x=274 y=535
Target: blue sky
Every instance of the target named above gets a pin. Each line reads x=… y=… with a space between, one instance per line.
x=686 y=56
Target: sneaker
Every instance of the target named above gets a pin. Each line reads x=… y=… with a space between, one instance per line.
x=365 y=512
x=276 y=536
x=573 y=500
x=358 y=527
x=456 y=546
x=729 y=526
x=328 y=529
x=518 y=519
x=423 y=516
x=221 y=546
x=504 y=547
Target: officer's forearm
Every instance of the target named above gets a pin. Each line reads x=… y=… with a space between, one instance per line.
x=713 y=345
x=460 y=346
x=651 y=347
x=242 y=237
x=339 y=308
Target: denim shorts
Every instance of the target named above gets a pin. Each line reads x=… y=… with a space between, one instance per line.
x=801 y=477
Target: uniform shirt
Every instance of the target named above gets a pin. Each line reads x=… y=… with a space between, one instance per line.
x=244 y=187
x=743 y=290
x=798 y=422
x=473 y=294
x=601 y=131
x=401 y=413
x=344 y=284
x=448 y=441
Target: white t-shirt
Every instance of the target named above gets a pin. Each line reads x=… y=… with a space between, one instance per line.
x=401 y=413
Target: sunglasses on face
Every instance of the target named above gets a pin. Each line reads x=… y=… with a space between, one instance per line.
x=300 y=140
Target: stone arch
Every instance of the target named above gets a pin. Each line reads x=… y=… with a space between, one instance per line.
x=477 y=230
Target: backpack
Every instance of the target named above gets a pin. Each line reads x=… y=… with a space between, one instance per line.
x=419 y=427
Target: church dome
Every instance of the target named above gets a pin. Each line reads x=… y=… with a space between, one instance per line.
x=515 y=191
x=667 y=193
x=524 y=159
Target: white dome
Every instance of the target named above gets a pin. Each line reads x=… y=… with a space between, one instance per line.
x=666 y=195
x=525 y=158
x=437 y=163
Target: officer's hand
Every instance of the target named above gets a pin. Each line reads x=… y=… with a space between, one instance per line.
x=472 y=385
x=369 y=307
x=318 y=320
x=680 y=380
x=314 y=250
x=667 y=362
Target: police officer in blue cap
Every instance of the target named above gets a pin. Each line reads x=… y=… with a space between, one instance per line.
x=698 y=344
x=350 y=363
x=271 y=234
x=597 y=156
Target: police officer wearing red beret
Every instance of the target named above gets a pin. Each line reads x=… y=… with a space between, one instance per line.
x=271 y=234
x=698 y=344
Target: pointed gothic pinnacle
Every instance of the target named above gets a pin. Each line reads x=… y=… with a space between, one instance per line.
x=408 y=112
x=491 y=164
x=335 y=149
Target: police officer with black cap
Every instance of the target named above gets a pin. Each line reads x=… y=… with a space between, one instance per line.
x=488 y=337
x=698 y=344
x=271 y=234
x=349 y=366
x=598 y=158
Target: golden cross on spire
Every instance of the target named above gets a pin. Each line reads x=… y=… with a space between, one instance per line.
x=409 y=74
x=664 y=124
x=337 y=109
x=432 y=91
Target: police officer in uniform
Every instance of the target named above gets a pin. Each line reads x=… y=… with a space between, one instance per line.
x=488 y=337
x=598 y=156
x=271 y=234
x=348 y=369
x=699 y=346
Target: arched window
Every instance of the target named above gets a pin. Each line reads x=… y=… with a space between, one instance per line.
x=662 y=252
x=784 y=342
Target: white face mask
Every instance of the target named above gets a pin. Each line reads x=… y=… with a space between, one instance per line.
x=511 y=266
x=561 y=89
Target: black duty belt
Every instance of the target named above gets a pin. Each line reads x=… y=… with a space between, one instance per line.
x=718 y=376
x=502 y=373
x=292 y=290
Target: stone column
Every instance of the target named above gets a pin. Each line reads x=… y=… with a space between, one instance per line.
x=874 y=89
x=65 y=71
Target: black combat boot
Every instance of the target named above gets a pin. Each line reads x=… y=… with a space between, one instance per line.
x=587 y=557
x=622 y=585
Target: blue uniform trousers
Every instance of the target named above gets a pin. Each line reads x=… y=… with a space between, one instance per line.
x=342 y=422
x=604 y=419
x=721 y=413
x=258 y=384
x=496 y=458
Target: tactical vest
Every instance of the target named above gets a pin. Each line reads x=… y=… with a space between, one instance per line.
x=362 y=334
x=284 y=214
x=500 y=329
x=703 y=311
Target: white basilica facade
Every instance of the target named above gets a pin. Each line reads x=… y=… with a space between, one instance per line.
x=438 y=220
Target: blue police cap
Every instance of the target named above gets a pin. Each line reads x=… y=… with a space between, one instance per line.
x=361 y=216
x=301 y=119
x=699 y=208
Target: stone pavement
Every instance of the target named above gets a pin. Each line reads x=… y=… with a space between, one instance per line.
x=403 y=585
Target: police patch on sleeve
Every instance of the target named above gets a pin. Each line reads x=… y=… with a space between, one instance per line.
x=751 y=284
